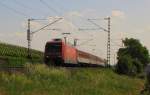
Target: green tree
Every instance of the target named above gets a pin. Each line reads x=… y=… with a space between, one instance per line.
x=133 y=57
x=124 y=64
x=134 y=48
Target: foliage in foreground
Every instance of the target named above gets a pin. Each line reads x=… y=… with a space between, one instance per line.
x=41 y=80
x=133 y=58
x=146 y=91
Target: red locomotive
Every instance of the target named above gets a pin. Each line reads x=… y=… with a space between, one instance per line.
x=57 y=52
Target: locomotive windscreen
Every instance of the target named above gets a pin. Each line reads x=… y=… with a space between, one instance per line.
x=53 y=47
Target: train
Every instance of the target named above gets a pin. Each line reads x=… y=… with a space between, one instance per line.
x=57 y=52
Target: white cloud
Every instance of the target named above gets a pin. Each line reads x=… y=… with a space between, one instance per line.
x=118 y=13
x=64 y=24
x=34 y=25
x=147 y=28
x=74 y=14
x=19 y=33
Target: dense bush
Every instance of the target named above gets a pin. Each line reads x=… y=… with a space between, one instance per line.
x=138 y=65
x=132 y=58
x=124 y=65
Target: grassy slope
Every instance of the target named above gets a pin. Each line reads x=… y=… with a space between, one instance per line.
x=16 y=55
x=8 y=50
x=40 y=80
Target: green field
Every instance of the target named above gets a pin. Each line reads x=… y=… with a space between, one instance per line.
x=41 y=80
x=16 y=55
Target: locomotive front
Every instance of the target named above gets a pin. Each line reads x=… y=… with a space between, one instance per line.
x=53 y=52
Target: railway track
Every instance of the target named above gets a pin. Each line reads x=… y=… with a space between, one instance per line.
x=13 y=69
x=23 y=69
x=82 y=65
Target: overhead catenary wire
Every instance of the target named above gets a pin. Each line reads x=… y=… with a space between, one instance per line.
x=50 y=7
x=46 y=26
x=30 y=33
x=21 y=4
x=14 y=10
x=90 y=20
x=106 y=30
x=60 y=6
x=29 y=8
x=54 y=10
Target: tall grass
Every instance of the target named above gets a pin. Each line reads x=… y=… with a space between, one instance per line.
x=42 y=80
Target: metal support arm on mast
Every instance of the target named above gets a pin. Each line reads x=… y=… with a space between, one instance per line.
x=29 y=33
x=106 y=30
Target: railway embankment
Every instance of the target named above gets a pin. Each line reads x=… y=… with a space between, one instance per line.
x=42 y=80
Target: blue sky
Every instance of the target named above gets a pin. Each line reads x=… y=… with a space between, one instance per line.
x=130 y=18
x=135 y=10
x=35 y=7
